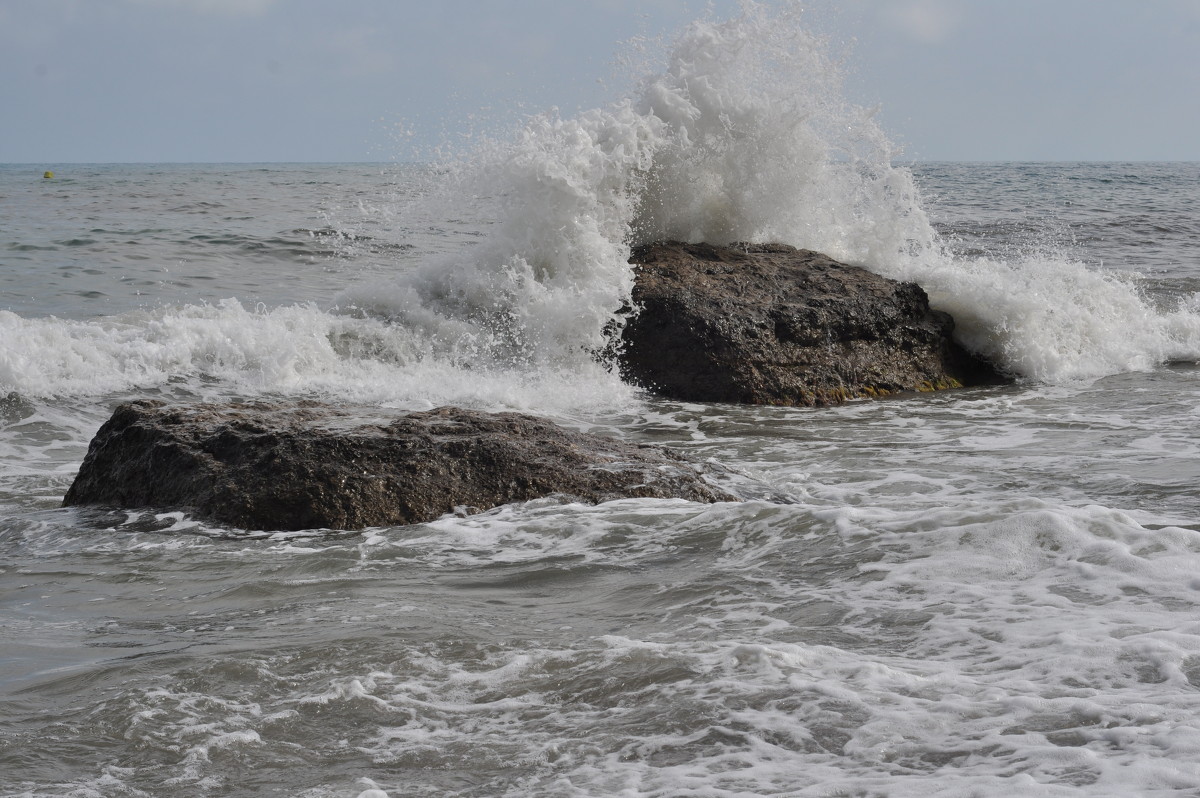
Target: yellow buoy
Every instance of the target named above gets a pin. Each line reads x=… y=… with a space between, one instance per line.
x=48 y=175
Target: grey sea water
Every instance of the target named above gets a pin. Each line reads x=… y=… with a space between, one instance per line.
x=987 y=592
x=100 y=240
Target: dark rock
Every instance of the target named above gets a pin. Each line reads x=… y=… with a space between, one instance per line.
x=771 y=324
x=311 y=466
x=14 y=408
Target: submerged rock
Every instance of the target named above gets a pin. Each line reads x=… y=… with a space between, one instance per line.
x=312 y=466
x=771 y=324
x=14 y=408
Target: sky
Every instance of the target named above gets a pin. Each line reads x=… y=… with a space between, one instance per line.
x=379 y=80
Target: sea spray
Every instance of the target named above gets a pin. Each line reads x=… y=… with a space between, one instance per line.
x=1051 y=318
x=744 y=135
x=197 y=350
x=542 y=285
x=762 y=146
x=765 y=147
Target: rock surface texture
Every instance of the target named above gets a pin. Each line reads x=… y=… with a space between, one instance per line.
x=311 y=466
x=771 y=324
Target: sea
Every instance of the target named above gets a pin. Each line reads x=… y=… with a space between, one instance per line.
x=987 y=592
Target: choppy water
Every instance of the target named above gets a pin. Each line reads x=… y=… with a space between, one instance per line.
x=988 y=592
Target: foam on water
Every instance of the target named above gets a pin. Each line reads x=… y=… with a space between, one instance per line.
x=1023 y=647
x=1050 y=318
x=291 y=350
x=924 y=693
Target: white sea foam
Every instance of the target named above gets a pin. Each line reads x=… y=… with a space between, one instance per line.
x=972 y=659
x=1051 y=318
x=287 y=350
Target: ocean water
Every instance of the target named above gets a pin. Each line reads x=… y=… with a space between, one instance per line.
x=985 y=592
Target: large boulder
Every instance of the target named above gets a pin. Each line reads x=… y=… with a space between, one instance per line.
x=776 y=325
x=312 y=466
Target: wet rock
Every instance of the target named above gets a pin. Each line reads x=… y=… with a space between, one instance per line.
x=771 y=324
x=313 y=466
x=14 y=408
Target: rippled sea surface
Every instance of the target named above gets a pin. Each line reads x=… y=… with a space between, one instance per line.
x=987 y=592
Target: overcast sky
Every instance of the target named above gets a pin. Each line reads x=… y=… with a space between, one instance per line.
x=335 y=80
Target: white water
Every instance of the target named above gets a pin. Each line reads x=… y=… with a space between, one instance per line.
x=746 y=136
